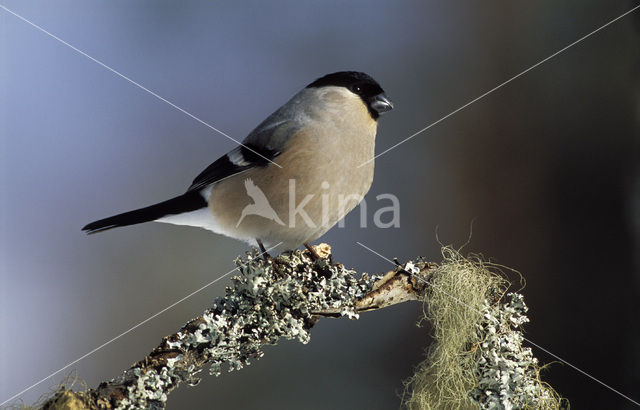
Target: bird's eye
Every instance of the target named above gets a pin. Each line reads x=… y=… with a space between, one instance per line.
x=356 y=88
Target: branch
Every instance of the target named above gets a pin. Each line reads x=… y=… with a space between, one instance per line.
x=262 y=306
x=476 y=358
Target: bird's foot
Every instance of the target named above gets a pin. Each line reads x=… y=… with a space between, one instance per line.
x=312 y=252
x=274 y=264
x=263 y=251
x=269 y=259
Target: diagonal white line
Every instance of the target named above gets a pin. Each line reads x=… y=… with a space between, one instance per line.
x=581 y=371
x=535 y=344
x=126 y=331
x=501 y=85
x=135 y=83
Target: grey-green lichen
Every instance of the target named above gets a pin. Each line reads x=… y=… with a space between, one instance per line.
x=261 y=306
x=148 y=389
x=508 y=374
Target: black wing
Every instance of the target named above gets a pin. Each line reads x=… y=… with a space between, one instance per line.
x=236 y=161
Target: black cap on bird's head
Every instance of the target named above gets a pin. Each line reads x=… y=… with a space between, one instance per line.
x=360 y=84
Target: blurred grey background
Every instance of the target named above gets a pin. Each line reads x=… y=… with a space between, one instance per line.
x=547 y=168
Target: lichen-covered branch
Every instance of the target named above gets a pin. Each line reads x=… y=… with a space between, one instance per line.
x=262 y=306
x=476 y=358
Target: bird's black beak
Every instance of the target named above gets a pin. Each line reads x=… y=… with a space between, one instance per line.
x=380 y=103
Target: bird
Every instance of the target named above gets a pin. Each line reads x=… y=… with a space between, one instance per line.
x=310 y=161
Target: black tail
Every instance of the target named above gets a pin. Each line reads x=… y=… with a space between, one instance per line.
x=190 y=201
